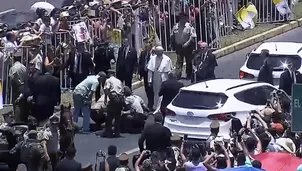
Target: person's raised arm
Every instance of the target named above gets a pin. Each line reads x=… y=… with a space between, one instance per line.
x=182 y=155
x=139 y=160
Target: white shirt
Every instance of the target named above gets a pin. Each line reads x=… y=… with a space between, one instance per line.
x=11 y=47
x=114 y=85
x=39 y=22
x=37 y=61
x=135 y=102
x=46 y=33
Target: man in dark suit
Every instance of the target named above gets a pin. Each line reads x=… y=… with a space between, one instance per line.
x=143 y=73
x=126 y=63
x=46 y=95
x=169 y=89
x=153 y=133
x=103 y=55
x=80 y=64
x=204 y=63
x=69 y=163
x=287 y=79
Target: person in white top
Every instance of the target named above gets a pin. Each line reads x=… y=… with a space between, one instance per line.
x=158 y=67
x=113 y=89
x=40 y=13
x=10 y=43
x=45 y=31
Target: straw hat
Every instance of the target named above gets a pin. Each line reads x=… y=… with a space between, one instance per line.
x=267 y=111
x=287 y=144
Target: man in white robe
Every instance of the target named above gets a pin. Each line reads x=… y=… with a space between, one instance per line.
x=158 y=67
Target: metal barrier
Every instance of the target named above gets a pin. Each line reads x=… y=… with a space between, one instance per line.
x=268 y=12
x=6 y=62
x=211 y=20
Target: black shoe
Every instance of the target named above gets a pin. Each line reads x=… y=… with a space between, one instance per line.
x=117 y=135
x=107 y=135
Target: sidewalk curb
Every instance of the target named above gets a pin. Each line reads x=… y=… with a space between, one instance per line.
x=247 y=42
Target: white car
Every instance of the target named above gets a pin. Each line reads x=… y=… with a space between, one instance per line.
x=280 y=54
x=195 y=107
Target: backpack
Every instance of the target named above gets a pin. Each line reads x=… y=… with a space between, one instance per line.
x=31 y=151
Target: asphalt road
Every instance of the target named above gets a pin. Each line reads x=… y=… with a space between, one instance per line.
x=228 y=67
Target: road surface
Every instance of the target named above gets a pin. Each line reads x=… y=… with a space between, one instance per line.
x=228 y=67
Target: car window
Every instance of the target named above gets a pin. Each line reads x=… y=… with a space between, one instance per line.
x=199 y=100
x=254 y=96
x=267 y=91
x=255 y=61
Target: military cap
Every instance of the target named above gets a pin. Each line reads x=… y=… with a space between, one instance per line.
x=123 y=157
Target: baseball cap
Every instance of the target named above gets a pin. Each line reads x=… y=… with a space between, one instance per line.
x=278 y=127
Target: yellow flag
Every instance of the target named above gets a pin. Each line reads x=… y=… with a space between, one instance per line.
x=246 y=15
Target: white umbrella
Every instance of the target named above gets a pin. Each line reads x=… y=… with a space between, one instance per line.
x=43 y=5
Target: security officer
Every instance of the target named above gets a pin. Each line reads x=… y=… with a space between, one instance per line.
x=114 y=90
x=31 y=152
x=287 y=79
x=183 y=41
x=204 y=63
x=18 y=76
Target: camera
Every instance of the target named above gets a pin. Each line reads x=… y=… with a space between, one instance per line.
x=148 y=152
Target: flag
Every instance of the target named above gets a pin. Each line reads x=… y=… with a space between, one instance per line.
x=282 y=7
x=246 y=15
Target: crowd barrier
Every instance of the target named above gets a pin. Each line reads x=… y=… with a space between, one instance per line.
x=212 y=20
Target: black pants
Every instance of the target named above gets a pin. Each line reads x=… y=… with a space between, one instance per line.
x=42 y=111
x=125 y=77
x=16 y=91
x=114 y=112
x=54 y=160
x=181 y=54
x=149 y=91
x=133 y=123
x=4 y=92
x=21 y=111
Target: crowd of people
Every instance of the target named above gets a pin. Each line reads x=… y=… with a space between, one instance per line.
x=48 y=144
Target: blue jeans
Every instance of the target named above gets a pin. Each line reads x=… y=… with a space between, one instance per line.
x=79 y=107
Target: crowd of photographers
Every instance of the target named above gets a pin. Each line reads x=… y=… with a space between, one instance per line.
x=264 y=131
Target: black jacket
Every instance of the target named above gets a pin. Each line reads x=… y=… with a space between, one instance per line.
x=87 y=64
x=46 y=90
x=126 y=63
x=207 y=69
x=266 y=74
x=143 y=61
x=152 y=134
x=169 y=89
x=102 y=57
x=286 y=81
x=29 y=84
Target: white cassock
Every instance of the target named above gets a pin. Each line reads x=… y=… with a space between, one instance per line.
x=158 y=70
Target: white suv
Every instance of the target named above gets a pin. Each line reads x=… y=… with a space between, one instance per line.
x=196 y=106
x=280 y=54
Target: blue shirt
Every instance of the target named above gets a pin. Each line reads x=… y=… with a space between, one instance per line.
x=89 y=84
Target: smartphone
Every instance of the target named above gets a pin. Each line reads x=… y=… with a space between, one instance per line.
x=239 y=138
x=185 y=137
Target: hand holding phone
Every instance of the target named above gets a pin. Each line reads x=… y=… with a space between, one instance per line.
x=185 y=137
